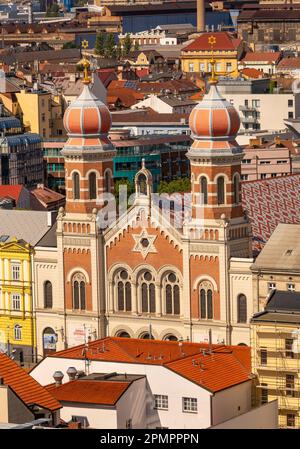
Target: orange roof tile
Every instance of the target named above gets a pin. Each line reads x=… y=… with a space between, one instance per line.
x=262 y=56
x=27 y=388
x=224 y=41
x=228 y=365
x=11 y=191
x=89 y=391
x=252 y=73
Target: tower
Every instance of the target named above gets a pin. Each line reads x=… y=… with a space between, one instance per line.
x=88 y=155
x=218 y=229
x=200 y=15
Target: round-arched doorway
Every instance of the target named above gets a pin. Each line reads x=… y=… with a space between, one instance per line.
x=49 y=341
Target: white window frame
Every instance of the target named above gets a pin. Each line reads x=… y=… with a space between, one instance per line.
x=291 y=287
x=271 y=286
x=189 y=405
x=161 y=402
x=17 y=332
x=16 y=271
x=15 y=301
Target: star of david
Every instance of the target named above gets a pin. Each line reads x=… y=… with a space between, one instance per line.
x=144 y=243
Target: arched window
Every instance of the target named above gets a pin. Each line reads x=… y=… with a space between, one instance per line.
x=170 y=337
x=122 y=281
x=17 y=332
x=147 y=292
x=107 y=181
x=147 y=336
x=242 y=309
x=203 y=187
x=206 y=301
x=78 y=284
x=221 y=190
x=48 y=299
x=123 y=334
x=236 y=189
x=49 y=340
x=76 y=186
x=142 y=184
x=93 y=186
x=172 y=294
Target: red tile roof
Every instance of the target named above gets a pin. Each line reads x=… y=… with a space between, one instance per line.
x=8 y=191
x=27 y=388
x=289 y=63
x=224 y=367
x=224 y=41
x=269 y=202
x=262 y=56
x=89 y=391
x=252 y=73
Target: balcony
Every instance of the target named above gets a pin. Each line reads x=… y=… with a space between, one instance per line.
x=249 y=120
x=244 y=108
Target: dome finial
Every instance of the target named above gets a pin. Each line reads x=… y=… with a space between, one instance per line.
x=213 y=79
x=86 y=64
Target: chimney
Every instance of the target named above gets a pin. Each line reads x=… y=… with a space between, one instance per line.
x=71 y=372
x=1 y=381
x=200 y=15
x=210 y=341
x=58 y=377
x=30 y=13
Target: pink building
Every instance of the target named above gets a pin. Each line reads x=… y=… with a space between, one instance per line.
x=270 y=159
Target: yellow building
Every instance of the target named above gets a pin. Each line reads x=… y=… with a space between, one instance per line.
x=275 y=342
x=226 y=49
x=17 y=320
x=37 y=109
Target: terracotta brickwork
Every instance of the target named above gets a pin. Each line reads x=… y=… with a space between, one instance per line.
x=167 y=252
x=74 y=261
x=205 y=266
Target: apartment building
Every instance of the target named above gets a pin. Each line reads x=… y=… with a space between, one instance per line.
x=275 y=355
x=258 y=108
x=269 y=159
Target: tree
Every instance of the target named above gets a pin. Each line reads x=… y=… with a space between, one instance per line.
x=136 y=46
x=175 y=186
x=127 y=45
x=127 y=183
x=110 y=47
x=100 y=44
x=119 y=51
x=53 y=10
x=70 y=45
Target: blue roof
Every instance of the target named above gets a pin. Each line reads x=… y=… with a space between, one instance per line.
x=9 y=122
x=23 y=139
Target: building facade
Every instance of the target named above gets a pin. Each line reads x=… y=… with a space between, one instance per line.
x=144 y=275
x=17 y=319
x=227 y=51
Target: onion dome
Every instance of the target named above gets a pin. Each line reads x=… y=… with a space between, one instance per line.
x=87 y=116
x=214 y=118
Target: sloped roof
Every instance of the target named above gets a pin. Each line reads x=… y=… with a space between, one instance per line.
x=262 y=56
x=89 y=391
x=28 y=225
x=224 y=367
x=282 y=250
x=224 y=41
x=269 y=202
x=27 y=388
x=8 y=191
x=289 y=63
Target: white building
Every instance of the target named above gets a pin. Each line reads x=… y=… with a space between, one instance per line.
x=186 y=385
x=168 y=104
